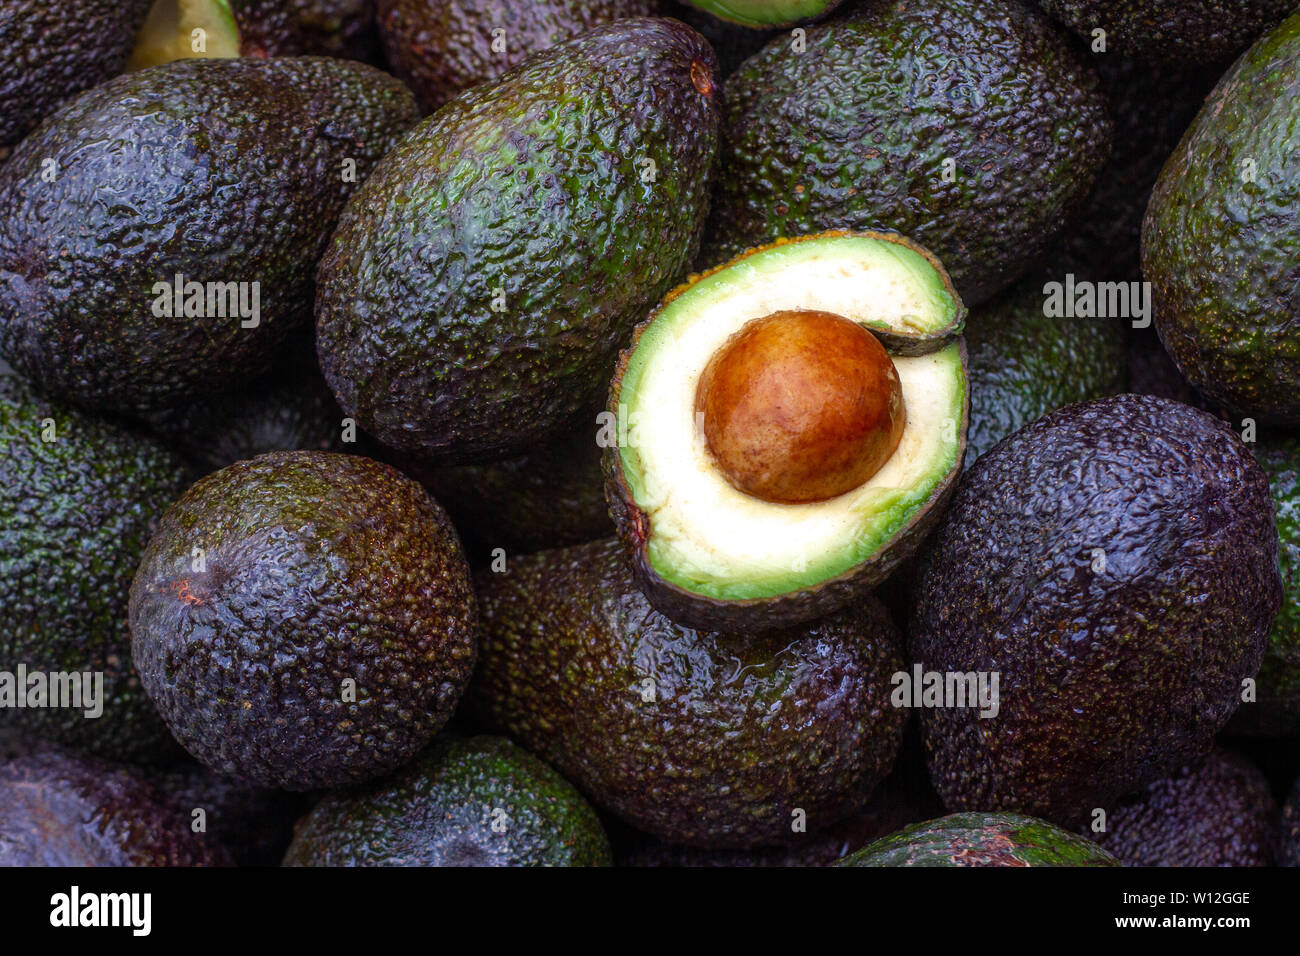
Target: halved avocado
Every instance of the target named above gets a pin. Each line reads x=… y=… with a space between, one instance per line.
x=755 y=508
x=231 y=28
x=766 y=13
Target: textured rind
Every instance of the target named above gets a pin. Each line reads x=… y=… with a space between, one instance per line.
x=982 y=839
x=1221 y=249
x=318 y=568
x=1288 y=850
x=742 y=729
x=531 y=187
x=75 y=514
x=58 y=808
x=219 y=170
x=1217 y=811
x=1196 y=32
x=51 y=51
x=1110 y=679
x=853 y=134
x=441 y=49
x=441 y=810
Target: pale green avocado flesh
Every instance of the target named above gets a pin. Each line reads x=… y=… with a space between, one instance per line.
x=764 y=13
x=184 y=30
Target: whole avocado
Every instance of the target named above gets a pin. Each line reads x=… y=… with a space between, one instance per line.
x=1115 y=562
x=981 y=839
x=478 y=286
x=476 y=802
x=228 y=174
x=304 y=620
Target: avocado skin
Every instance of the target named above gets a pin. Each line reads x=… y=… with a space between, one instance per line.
x=318 y=568
x=75 y=514
x=440 y=810
x=1109 y=681
x=1217 y=811
x=580 y=246
x=67 y=809
x=818 y=141
x=441 y=49
x=982 y=839
x=197 y=152
x=1220 y=252
x=51 y=51
x=1288 y=853
x=743 y=728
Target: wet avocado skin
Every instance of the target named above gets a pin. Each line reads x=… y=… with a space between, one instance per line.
x=981 y=839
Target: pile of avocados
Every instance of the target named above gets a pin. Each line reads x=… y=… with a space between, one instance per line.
x=708 y=433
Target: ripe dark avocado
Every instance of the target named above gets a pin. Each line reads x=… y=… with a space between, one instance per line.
x=697 y=738
x=59 y=808
x=974 y=128
x=982 y=839
x=221 y=171
x=1288 y=853
x=52 y=51
x=762 y=14
x=1222 y=235
x=478 y=286
x=440 y=49
x=1116 y=563
x=79 y=498
x=1217 y=811
x=476 y=802
x=304 y=620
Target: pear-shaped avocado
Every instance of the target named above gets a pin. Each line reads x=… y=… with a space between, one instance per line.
x=981 y=839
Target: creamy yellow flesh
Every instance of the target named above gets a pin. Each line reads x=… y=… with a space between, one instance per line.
x=168 y=33
x=710 y=538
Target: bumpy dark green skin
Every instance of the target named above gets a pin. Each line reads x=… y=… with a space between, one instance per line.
x=75 y=514
x=440 y=811
x=319 y=568
x=58 y=808
x=220 y=170
x=1221 y=252
x=51 y=51
x=1023 y=364
x=817 y=140
x=982 y=839
x=1184 y=31
x=742 y=730
x=530 y=186
x=1217 y=811
x=1288 y=853
x=441 y=49
x=1110 y=679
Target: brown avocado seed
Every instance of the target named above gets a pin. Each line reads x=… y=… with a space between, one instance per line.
x=800 y=406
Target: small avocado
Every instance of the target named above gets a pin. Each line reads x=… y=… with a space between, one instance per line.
x=1222 y=236
x=478 y=286
x=982 y=839
x=741 y=507
x=1115 y=563
x=697 y=738
x=974 y=128
x=765 y=14
x=59 y=808
x=1288 y=853
x=304 y=620
x=476 y=802
x=1216 y=811
x=79 y=498
x=226 y=177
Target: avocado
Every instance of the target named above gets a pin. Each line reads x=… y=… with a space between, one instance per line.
x=1216 y=811
x=304 y=620
x=1288 y=853
x=52 y=51
x=982 y=839
x=974 y=128
x=732 y=43
x=1115 y=562
x=477 y=288
x=476 y=802
x=1222 y=235
x=79 y=498
x=65 y=809
x=441 y=49
x=1184 y=31
x=766 y=13
x=738 y=506
x=226 y=177
x=697 y=738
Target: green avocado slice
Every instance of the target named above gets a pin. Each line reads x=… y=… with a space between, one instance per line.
x=169 y=33
x=765 y=13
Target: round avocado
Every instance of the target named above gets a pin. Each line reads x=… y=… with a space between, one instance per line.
x=981 y=839
x=476 y=802
x=304 y=619
x=764 y=14
x=715 y=549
